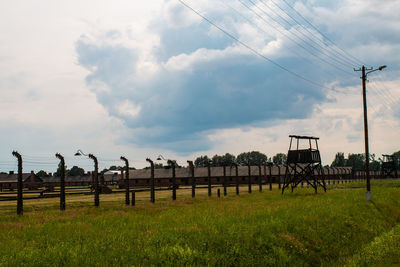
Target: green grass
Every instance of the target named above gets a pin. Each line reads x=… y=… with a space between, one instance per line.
x=302 y=229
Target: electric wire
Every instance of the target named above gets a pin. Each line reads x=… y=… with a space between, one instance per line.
x=255 y=51
x=284 y=44
x=299 y=37
x=296 y=42
x=322 y=50
x=377 y=112
x=389 y=102
x=381 y=87
x=386 y=89
x=326 y=37
x=324 y=45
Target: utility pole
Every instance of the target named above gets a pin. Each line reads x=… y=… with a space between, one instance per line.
x=366 y=141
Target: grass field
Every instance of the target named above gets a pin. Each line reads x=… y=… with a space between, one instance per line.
x=302 y=229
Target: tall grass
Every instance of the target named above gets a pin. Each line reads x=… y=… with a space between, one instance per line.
x=334 y=228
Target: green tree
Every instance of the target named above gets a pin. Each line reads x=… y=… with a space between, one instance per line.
x=252 y=158
x=58 y=172
x=76 y=171
x=225 y=160
x=158 y=166
x=42 y=173
x=217 y=160
x=115 y=168
x=396 y=159
x=201 y=161
x=374 y=165
x=173 y=162
x=339 y=160
x=228 y=159
x=357 y=161
x=279 y=158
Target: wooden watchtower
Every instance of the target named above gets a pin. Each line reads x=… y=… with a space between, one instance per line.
x=304 y=165
x=388 y=169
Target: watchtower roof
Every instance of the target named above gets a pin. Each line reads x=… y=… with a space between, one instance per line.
x=304 y=137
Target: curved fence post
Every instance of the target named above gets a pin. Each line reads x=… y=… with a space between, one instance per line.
x=249 y=168
x=193 y=178
x=20 y=203
x=62 y=181
x=126 y=180
x=209 y=178
x=96 y=181
x=152 y=193
x=173 y=166
x=237 y=177
x=224 y=179
x=260 y=177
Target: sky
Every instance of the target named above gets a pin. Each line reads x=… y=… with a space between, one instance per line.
x=123 y=78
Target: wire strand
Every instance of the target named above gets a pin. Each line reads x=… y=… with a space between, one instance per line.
x=343 y=56
x=323 y=49
x=296 y=42
x=326 y=37
x=255 y=51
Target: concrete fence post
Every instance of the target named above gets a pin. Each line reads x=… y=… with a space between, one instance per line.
x=193 y=178
x=260 y=177
x=126 y=180
x=224 y=180
x=209 y=178
x=249 y=170
x=152 y=181
x=270 y=175
x=236 y=177
x=20 y=208
x=62 y=181
x=279 y=176
x=133 y=198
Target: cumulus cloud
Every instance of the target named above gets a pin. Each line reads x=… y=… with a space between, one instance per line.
x=202 y=81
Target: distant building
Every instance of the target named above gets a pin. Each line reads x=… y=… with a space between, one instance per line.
x=10 y=181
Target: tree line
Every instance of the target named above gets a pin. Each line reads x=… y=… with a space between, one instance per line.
x=243 y=159
x=356 y=161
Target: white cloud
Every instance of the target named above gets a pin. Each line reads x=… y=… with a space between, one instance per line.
x=127 y=108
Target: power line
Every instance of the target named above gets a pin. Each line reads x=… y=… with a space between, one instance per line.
x=343 y=62
x=296 y=42
x=347 y=59
x=386 y=99
x=326 y=37
x=283 y=43
x=255 y=51
x=387 y=90
x=299 y=37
